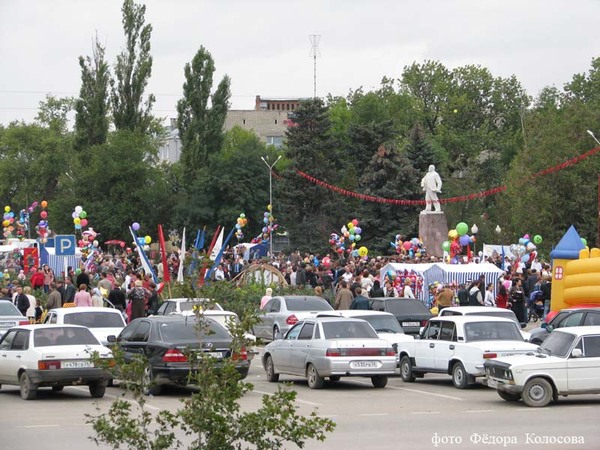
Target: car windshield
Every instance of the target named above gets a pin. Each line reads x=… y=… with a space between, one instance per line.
x=557 y=344
x=406 y=307
x=96 y=319
x=307 y=304
x=383 y=323
x=224 y=319
x=47 y=337
x=507 y=314
x=492 y=331
x=348 y=330
x=175 y=331
x=8 y=309
x=189 y=306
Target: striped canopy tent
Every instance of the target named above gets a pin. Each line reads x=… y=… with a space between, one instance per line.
x=430 y=272
x=58 y=263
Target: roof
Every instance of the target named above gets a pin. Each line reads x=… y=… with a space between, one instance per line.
x=363 y=312
x=579 y=331
x=47 y=325
x=331 y=319
x=471 y=319
x=187 y=300
x=472 y=309
x=569 y=246
x=80 y=309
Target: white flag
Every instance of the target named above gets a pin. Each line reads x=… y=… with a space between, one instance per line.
x=181 y=258
x=218 y=244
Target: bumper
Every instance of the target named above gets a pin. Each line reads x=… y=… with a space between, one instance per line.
x=180 y=375
x=343 y=368
x=67 y=376
x=502 y=385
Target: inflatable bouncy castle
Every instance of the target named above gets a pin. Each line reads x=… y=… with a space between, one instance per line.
x=575 y=273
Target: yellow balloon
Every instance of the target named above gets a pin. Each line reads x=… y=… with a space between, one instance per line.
x=147 y=239
x=76 y=220
x=7 y=209
x=452 y=234
x=269 y=207
x=350 y=225
x=363 y=251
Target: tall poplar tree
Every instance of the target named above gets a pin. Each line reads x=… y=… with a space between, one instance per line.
x=92 y=106
x=132 y=72
x=201 y=116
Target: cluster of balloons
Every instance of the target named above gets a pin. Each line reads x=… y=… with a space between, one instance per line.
x=457 y=240
x=88 y=242
x=42 y=228
x=8 y=221
x=399 y=280
x=411 y=247
x=350 y=234
x=79 y=218
x=241 y=223
x=525 y=250
x=269 y=226
x=142 y=241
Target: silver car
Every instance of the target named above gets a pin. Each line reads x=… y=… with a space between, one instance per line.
x=330 y=347
x=281 y=313
x=10 y=316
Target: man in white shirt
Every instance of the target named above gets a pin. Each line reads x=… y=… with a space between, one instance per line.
x=219 y=273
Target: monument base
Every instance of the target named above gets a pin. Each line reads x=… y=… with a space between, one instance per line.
x=433 y=230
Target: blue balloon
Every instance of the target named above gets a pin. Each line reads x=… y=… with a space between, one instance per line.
x=525 y=258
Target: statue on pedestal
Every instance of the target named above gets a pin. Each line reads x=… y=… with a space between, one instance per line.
x=432 y=185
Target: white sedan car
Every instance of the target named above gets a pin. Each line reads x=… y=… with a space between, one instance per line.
x=177 y=306
x=331 y=347
x=102 y=322
x=486 y=311
x=34 y=356
x=568 y=363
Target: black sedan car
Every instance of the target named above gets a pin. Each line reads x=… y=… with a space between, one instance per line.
x=411 y=314
x=165 y=341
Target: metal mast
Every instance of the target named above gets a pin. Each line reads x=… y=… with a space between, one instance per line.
x=314 y=52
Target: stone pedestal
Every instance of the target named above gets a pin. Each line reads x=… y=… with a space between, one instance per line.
x=433 y=230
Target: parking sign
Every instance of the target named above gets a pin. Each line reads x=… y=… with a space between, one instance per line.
x=64 y=245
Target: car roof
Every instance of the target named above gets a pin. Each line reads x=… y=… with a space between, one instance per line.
x=579 y=331
x=332 y=319
x=582 y=309
x=298 y=297
x=80 y=309
x=363 y=312
x=188 y=300
x=469 y=319
x=45 y=326
x=387 y=299
x=473 y=309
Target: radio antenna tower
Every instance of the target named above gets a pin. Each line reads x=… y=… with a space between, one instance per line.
x=314 y=52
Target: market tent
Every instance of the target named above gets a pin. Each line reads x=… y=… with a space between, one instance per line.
x=430 y=272
x=57 y=263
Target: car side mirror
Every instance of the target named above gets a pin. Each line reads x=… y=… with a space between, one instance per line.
x=544 y=325
x=549 y=328
x=523 y=324
x=576 y=353
x=112 y=339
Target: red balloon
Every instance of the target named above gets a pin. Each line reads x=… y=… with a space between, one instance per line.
x=43 y=214
x=355 y=222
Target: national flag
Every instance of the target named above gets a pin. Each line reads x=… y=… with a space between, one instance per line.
x=181 y=258
x=163 y=255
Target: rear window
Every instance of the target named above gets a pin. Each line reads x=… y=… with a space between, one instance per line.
x=307 y=304
x=189 y=306
x=383 y=323
x=190 y=331
x=403 y=307
x=63 y=336
x=96 y=319
x=348 y=330
x=8 y=309
x=492 y=331
x=503 y=314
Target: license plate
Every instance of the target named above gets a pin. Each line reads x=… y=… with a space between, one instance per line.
x=218 y=355
x=7 y=324
x=492 y=383
x=76 y=364
x=364 y=364
x=410 y=324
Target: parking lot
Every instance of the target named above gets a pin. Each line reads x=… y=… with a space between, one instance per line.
x=429 y=413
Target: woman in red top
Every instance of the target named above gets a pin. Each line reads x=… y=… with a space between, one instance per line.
x=502 y=298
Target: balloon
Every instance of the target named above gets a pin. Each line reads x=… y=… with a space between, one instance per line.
x=78 y=271
x=462 y=228
x=147 y=239
x=78 y=209
x=350 y=225
x=355 y=222
x=584 y=242
x=406 y=245
x=522 y=241
x=141 y=241
x=526 y=237
x=74 y=215
x=5 y=223
x=414 y=241
x=269 y=207
x=452 y=234
x=238 y=226
x=44 y=204
x=358 y=230
x=242 y=215
x=76 y=220
x=135 y=226
x=530 y=247
x=83 y=214
x=525 y=258
x=464 y=240
x=357 y=237
x=95 y=243
x=7 y=208
x=353 y=230
x=43 y=214
x=446 y=246
x=84 y=222
x=363 y=251
x=537 y=239
x=122 y=244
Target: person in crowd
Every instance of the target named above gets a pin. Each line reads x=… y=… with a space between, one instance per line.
x=97 y=299
x=489 y=299
x=517 y=299
x=83 y=297
x=463 y=295
x=153 y=300
x=60 y=288
x=220 y=273
x=137 y=297
x=366 y=283
x=39 y=311
x=343 y=297
x=105 y=285
x=48 y=278
x=444 y=297
x=475 y=296
x=407 y=291
x=54 y=298
x=21 y=301
x=376 y=290
x=502 y=297
x=117 y=297
x=83 y=278
x=265 y=299
x=37 y=279
x=389 y=290
x=301 y=275
x=69 y=291
x=546 y=288
x=30 y=313
x=360 y=301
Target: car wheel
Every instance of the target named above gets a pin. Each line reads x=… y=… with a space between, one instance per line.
x=460 y=378
x=379 y=381
x=97 y=389
x=537 y=393
x=315 y=381
x=150 y=386
x=28 y=389
x=57 y=387
x=406 y=371
x=270 y=370
x=509 y=397
x=335 y=378
x=275 y=332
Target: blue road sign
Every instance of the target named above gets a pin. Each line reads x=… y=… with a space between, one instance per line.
x=64 y=245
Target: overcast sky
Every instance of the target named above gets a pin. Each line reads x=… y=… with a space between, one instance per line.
x=264 y=45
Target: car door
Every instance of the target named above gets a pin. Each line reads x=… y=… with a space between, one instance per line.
x=127 y=343
x=15 y=357
x=282 y=350
x=301 y=347
x=5 y=346
x=583 y=372
x=265 y=327
x=425 y=347
x=445 y=346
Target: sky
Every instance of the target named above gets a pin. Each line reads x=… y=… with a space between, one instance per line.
x=265 y=49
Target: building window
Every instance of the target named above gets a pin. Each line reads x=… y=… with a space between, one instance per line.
x=275 y=121
x=244 y=121
x=276 y=141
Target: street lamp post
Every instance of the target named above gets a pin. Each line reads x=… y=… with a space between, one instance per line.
x=598 y=235
x=474 y=231
x=270 y=166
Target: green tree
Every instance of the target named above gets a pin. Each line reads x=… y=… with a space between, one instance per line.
x=200 y=122
x=132 y=71
x=92 y=106
x=419 y=152
x=310 y=212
